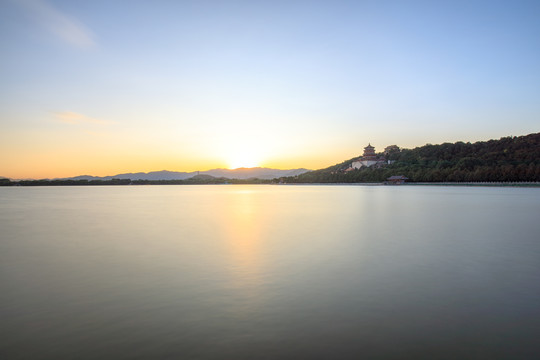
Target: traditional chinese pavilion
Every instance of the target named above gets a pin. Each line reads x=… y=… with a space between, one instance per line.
x=368 y=159
x=369 y=153
x=397 y=179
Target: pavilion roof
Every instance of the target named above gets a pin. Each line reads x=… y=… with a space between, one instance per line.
x=398 y=177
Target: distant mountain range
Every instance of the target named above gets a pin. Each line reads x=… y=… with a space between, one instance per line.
x=240 y=173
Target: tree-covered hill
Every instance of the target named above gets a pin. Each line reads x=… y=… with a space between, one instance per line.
x=506 y=159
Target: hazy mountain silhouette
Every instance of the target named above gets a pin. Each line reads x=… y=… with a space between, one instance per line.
x=248 y=173
x=240 y=173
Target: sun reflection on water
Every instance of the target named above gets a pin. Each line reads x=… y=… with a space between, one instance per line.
x=243 y=221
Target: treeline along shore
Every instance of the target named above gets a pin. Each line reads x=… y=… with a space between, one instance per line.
x=509 y=160
x=220 y=181
x=191 y=181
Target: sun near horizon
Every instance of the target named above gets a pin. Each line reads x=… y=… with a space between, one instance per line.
x=243 y=161
x=242 y=151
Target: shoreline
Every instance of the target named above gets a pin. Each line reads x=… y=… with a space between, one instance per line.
x=38 y=183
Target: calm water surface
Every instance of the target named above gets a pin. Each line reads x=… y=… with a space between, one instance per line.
x=267 y=272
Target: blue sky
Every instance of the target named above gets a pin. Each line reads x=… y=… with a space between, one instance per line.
x=103 y=87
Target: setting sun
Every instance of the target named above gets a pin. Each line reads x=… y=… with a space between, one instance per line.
x=243 y=152
x=243 y=160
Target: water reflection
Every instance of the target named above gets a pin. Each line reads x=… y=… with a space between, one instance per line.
x=242 y=221
x=237 y=272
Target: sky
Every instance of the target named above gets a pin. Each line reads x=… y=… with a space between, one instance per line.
x=107 y=87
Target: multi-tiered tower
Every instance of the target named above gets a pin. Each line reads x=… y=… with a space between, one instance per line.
x=369 y=153
x=368 y=159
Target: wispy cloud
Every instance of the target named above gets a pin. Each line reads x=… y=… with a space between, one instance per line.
x=66 y=27
x=70 y=117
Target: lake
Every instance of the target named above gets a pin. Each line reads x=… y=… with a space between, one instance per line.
x=269 y=272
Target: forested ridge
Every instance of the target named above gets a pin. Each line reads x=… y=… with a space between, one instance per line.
x=508 y=159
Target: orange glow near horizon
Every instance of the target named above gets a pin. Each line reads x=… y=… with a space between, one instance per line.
x=67 y=152
x=52 y=165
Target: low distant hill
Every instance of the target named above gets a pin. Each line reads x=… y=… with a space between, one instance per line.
x=241 y=173
x=154 y=175
x=253 y=173
x=507 y=159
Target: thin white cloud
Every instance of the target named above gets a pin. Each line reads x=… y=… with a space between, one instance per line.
x=65 y=27
x=70 y=117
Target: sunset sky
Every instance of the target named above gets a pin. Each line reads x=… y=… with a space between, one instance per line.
x=106 y=87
